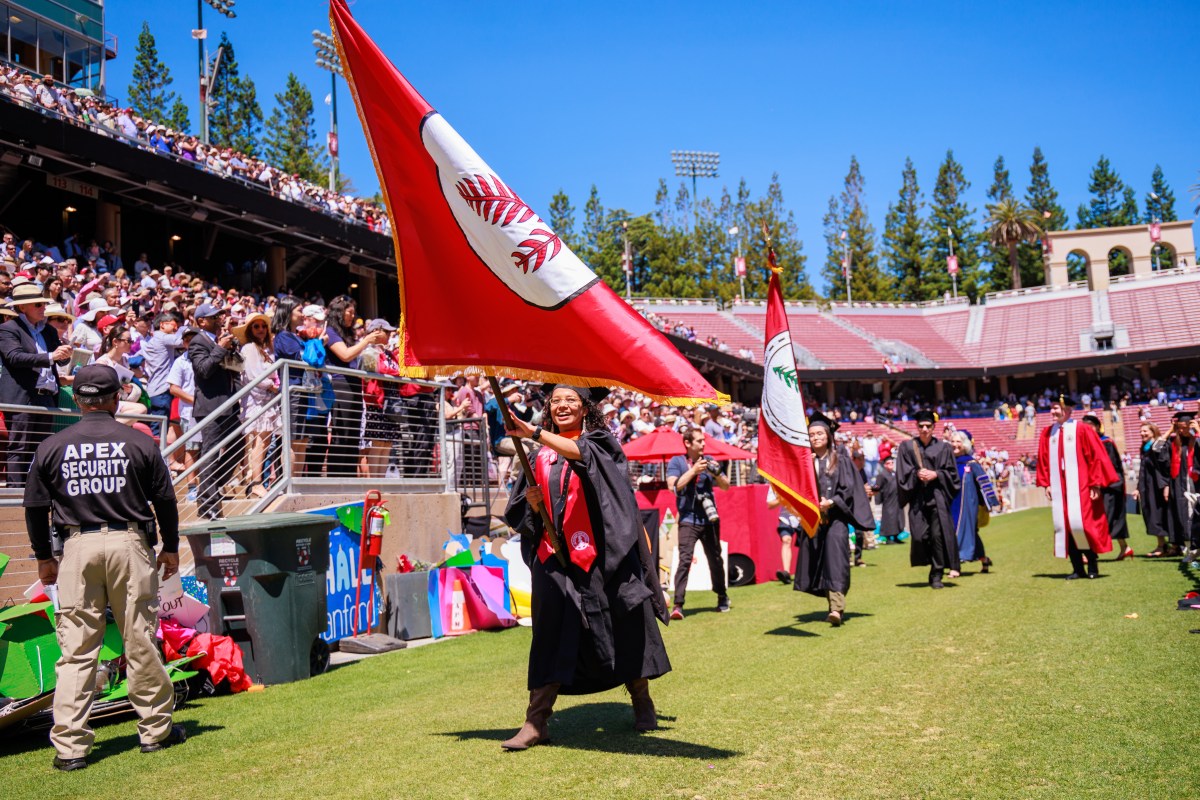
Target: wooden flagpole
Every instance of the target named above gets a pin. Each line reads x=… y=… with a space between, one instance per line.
x=555 y=538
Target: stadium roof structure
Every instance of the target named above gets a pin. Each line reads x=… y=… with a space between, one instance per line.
x=101 y=167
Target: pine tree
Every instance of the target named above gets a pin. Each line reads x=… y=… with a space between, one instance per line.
x=236 y=118
x=867 y=280
x=1043 y=199
x=1001 y=188
x=562 y=218
x=1160 y=202
x=177 y=117
x=1109 y=206
x=593 y=228
x=1001 y=274
x=148 y=95
x=290 y=141
x=789 y=249
x=951 y=216
x=904 y=238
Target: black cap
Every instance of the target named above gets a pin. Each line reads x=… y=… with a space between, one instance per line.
x=1064 y=400
x=925 y=415
x=96 y=380
x=1092 y=419
x=1184 y=416
x=817 y=418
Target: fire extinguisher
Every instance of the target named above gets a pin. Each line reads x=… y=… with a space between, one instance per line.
x=370 y=545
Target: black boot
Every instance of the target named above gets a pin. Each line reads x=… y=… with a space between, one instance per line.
x=935 y=579
x=1093 y=564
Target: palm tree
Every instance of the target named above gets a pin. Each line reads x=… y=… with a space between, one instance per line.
x=1011 y=222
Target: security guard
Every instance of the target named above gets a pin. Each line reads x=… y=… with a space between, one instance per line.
x=97 y=480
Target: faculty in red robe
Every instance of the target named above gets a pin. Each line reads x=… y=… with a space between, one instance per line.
x=1073 y=467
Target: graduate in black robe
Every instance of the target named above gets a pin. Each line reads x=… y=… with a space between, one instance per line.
x=1114 y=493
x=1151 y=483
x=1183 y=472
x=929 y=482
x=823 y=563
x=884 y=487
x=594 y=619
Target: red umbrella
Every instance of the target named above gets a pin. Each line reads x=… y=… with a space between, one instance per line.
x=661 y=444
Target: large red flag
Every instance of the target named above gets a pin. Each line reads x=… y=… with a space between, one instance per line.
x=784 y=457
x=484 y=281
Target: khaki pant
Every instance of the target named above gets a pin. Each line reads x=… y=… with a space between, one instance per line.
x=113 y=568
x=837 y=601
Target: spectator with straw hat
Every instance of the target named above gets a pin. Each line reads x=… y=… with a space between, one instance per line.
x=29 y=349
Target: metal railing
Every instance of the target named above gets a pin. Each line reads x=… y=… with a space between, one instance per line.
x=305 y=430
x=37 y=424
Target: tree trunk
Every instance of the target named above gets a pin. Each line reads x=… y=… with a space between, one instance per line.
x=1013 y=265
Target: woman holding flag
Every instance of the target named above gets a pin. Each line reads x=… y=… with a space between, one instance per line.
x=823 y=565
x=594 y=609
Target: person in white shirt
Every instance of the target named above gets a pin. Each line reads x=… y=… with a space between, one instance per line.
x=181 y=380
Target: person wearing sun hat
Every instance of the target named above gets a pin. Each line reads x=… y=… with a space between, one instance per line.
x=928 y=481
x=258 y=354
x=29 y=349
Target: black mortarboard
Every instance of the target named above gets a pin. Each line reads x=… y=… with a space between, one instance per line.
x=1184 y=416
x=817 y=418
x=1092 y=419
x=593 y=395
x=1064 y=400
x=96 y=380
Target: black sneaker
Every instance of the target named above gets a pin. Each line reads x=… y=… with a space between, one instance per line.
x=1074 y=576
x=936 y=584
x=178 y=735
x=69 y=764
x=723 y=604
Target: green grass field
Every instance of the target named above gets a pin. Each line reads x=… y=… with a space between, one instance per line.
x=1013 y=684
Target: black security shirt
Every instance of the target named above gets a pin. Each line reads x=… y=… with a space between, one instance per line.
x=99 y=471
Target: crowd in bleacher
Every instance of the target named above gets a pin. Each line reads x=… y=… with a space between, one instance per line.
x=50 y=97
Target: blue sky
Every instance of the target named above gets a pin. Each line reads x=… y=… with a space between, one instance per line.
x=564 y=95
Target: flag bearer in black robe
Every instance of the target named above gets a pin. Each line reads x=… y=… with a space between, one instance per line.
x=1183 y=472
x=594 y=622
x=1114 y=493
x=929 y=482
x=823 y=564
x=1151 y=484
x=884 y=487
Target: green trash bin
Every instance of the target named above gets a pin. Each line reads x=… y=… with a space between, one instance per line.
x=265 y=575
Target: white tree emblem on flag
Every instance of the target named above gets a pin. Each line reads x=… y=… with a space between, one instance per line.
x=508 y=236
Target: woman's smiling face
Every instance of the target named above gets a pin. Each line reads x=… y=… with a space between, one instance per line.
x=566 y=409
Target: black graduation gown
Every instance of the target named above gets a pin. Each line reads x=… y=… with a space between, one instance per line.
x=885 y=489
x=592 y=631
x=1176 y=512
x=1152 y=477
x=1114 y=494
x=823 y=563
x=929 y=503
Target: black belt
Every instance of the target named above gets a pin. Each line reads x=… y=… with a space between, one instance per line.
x=106 y=526
x=48 y=392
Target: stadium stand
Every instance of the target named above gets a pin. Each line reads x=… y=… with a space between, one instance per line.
x=1157 y=315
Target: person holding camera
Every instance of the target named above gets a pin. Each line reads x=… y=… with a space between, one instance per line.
x=691 y=477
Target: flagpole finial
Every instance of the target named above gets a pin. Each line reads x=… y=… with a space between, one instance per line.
x=771 y=263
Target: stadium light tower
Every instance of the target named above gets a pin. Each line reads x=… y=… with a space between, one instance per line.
x=328 y=59
x=224 y=7
x=695 y=164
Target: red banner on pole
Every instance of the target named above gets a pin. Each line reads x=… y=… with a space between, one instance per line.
x=952 y=264
x=739 y=264
x=784 y=457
